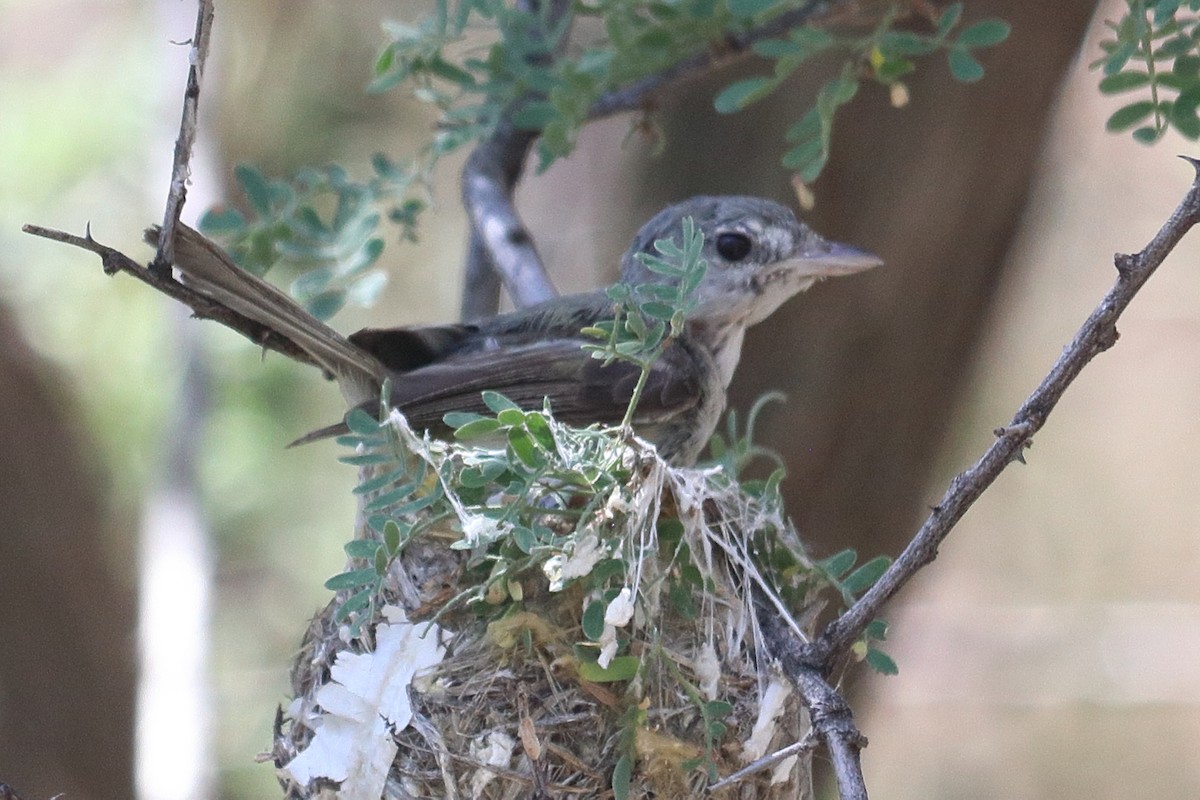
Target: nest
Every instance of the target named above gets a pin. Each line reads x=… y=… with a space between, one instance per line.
x=524 y=696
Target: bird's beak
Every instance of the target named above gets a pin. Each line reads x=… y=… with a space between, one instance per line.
x=821 y=259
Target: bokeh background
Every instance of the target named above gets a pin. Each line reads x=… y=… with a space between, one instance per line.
x=1051 y=651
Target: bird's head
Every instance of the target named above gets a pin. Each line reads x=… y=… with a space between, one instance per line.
x=758 y=255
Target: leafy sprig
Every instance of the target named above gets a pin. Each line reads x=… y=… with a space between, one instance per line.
x=321 y=220
x=1155 y=49
x=482 y=63
x=648 y=316
x=883 y=54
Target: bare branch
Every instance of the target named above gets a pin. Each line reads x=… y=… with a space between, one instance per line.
x=180 y=170
x=832 y=719
x=500 y=243
x=115 y=261
x=1096 y=335
x=809 y=742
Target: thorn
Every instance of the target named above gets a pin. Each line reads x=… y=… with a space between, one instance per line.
x=87 y=232
x=1195 y=162
x=1125 y=264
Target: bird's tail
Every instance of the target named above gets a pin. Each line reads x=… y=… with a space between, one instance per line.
x=209 y=270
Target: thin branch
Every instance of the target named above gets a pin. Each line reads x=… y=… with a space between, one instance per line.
x=115 y=261
x=180 y=170
x=830 y=714
x=1096 y=335
x=809 y=742
x=500 y=243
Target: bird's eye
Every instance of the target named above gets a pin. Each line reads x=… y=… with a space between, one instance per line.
x=733 y=246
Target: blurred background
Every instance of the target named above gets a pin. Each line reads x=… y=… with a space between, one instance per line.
x=1051 y=651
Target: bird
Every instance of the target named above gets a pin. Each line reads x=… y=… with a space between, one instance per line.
x=758 y=256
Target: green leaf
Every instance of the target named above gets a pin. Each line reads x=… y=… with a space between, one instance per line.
x=386 y=499
x=521 y=445
x=1119 y=57
x=511 y=417
x=366 y=459
x=865 y=576
x=681 y=600
x=808 y=127
x=622 y=775
x=222 y=222
x=1183 y=114
x=391 y=536
x=621 y=668
x=1128 y=116
x=1187 y=67
x=740 y=94
x=361 y=548
x=456 y=419
x=593 y=621
x=523 y=538
x=804 y=155
x=380 y=481
x=892 y=69
x=256 y=188
x=716 y=709
x=839 y=564
x=949 y=18
x=1147 y=135
x=312 y=282
x=497 y=402
x=985 y=33
x=963 y=66
x=362 y=423
x=326 y=304
x=1123 y=82
x=352 y=579
x=881 y=662
x=1165 y=10
x=356 y=602
x=605 y=569
x=539 y=429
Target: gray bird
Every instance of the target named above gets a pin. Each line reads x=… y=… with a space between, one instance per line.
x=758 y=256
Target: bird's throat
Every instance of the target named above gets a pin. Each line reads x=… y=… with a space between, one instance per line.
x=724 y=342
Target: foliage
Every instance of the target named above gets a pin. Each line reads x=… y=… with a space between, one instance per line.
x=338 y=247
x=883 y=53
x=1155 y=49
x=648 y=315
x=547 y=67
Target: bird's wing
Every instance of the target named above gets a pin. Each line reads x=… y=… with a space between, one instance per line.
x=581 y=389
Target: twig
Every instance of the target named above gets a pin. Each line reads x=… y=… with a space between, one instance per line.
x=766 y=762
x=830 y=714
x=1096 y=335
x=115 y=261
x=180 y=171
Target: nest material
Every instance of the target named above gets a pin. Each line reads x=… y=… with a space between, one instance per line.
x=509 y=711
